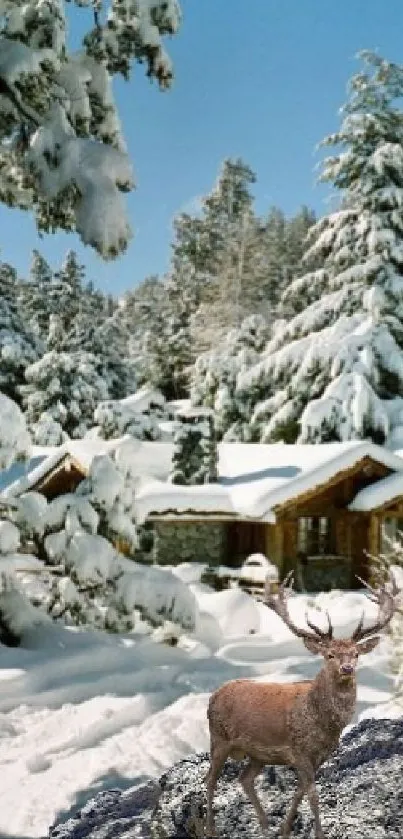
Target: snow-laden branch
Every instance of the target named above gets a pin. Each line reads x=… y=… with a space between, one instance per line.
x=62 y=151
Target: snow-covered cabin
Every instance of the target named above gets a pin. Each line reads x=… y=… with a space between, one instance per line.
x=322 y=507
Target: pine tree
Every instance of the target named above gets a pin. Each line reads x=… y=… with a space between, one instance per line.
x=34 y=295
x=61 y=393
x=215 y=375
x=195 y=455
x=62 y=152
x=18 y=345
x=142 y=313
x=335 y=371
x=230 y=263
x=66 y=292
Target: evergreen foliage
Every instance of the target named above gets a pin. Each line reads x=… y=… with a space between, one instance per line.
x=18 y=345
x=61 y=393
x=226 y=264
x=215 y=375
x=195 y=455
x=62 y=151
x=335 y=370
x=33 y=296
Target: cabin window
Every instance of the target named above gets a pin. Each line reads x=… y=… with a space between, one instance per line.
x=314 y=535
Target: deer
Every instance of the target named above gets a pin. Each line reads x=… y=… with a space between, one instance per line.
x=296 y=724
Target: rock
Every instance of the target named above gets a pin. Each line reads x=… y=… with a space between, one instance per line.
x=360 y=791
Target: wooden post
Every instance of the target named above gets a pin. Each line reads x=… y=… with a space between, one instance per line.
x=279 y=545
x=374 y=535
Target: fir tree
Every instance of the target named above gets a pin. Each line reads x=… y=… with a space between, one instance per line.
x=215 y=375
x=61 y=393
x=335 y=371
x=195 y=451
x=66 y=292
x=34 y=295
x=62 y=152
x=18 y=345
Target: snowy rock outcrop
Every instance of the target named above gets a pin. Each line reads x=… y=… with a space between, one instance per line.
x=360 y=792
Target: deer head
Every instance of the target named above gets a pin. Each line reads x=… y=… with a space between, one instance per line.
x=340 y=655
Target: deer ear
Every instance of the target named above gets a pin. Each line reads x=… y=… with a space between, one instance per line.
x=368 y=645
x=314 y=645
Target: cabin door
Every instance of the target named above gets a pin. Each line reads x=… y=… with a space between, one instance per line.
x=243 y=539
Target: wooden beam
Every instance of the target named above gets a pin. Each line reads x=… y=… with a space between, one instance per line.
x=374 y=535
x=295 y=502
x=279 y=544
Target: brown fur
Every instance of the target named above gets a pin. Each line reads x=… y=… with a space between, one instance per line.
x=297 y=724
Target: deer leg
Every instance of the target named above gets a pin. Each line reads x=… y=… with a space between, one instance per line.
x=306 y=787
x=314 y=804
x=217 y=760
x=247 y=779
x=296 y=801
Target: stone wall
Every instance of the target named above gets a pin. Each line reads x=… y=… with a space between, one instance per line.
x=176 y=542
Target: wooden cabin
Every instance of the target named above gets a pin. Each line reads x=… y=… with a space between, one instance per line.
x=322 y=510
x=317 y=527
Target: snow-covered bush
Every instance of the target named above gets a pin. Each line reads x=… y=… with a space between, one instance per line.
x=18 y=616
x=18 y=613
x=61 y=147
x=158 y=593
x=9 y=537
x=93 y=583
x=96 y=586
x=110 y=488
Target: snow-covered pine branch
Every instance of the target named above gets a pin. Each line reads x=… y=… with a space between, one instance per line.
x=62 y=152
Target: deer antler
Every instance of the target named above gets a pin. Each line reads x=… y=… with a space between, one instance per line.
x=279 y=605
x=385 y=597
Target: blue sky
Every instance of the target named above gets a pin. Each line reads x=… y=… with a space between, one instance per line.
x=262 y=80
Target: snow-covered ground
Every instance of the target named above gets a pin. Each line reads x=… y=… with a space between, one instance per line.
x=81 y=711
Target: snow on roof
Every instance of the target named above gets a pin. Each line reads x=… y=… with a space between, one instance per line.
x=253 y=478
x=319 y=463
x=176 y=405
x=161 y=497
x=149 y=458
x=83 y=451
x=141 y=400
x=20 y=469
x=378 y=494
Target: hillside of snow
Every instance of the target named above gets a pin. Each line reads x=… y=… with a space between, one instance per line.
x=81 y=712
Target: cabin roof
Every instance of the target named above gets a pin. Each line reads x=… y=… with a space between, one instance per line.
x=254 y=479
x=46 y=461
x=379 y=494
